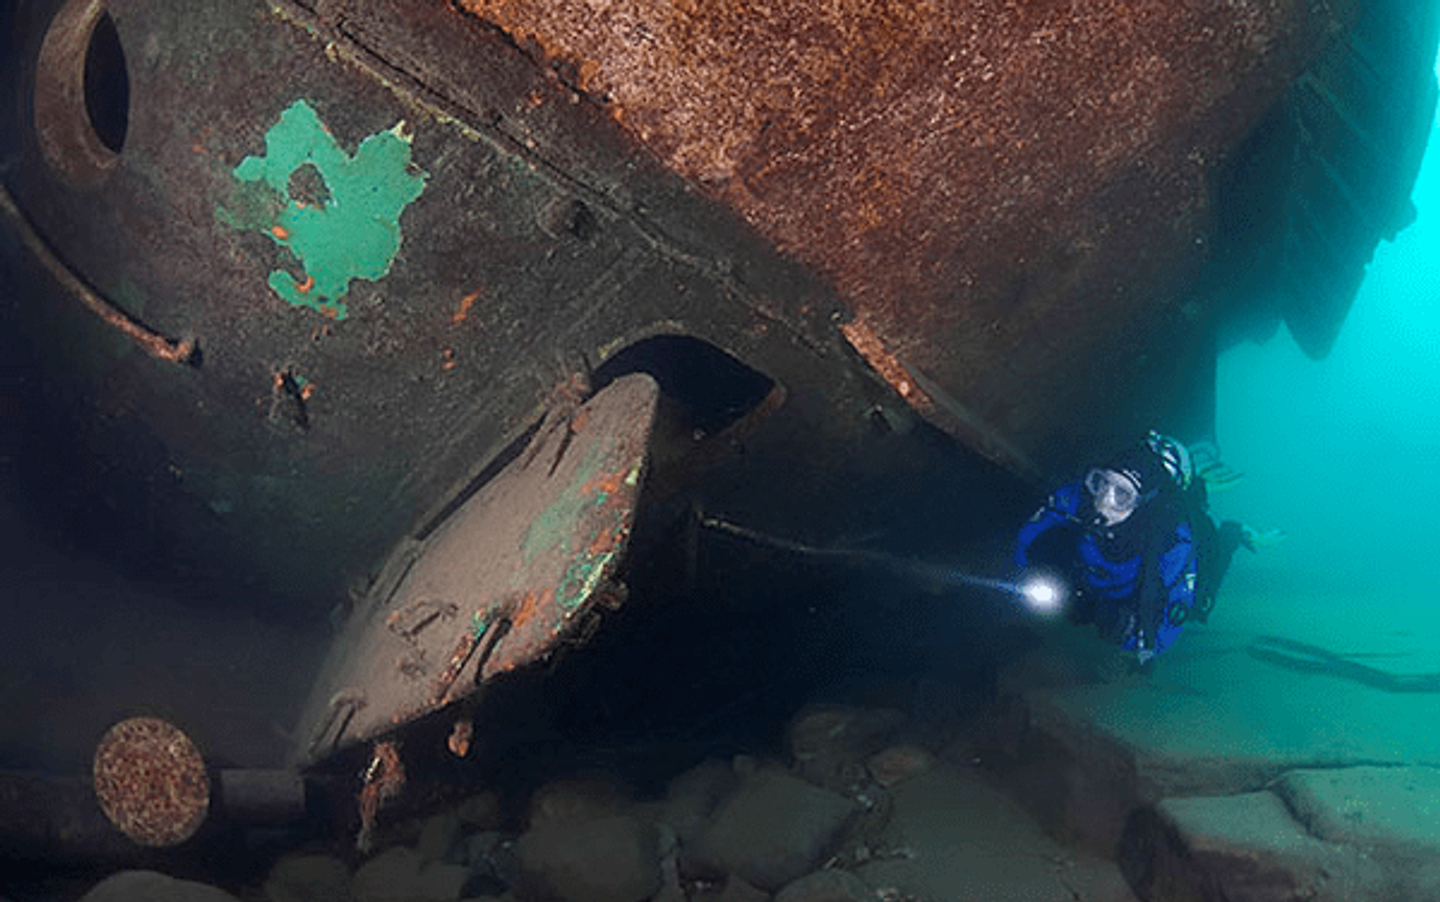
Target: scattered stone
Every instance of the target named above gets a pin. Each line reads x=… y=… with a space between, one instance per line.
x=442 y=881
x=151 y=886
x=308 y=878
x=393 y=876
x=734 y=889
x=709 y=781
x=898 y=764
x=439 y=837
x=746 y=765
x=692 y=798
x=669 y=893
x=575 y=801
x=776 y=828
x=609 y=859
x=479 y=849
x=482 y=811
x=482 y=886
x=829 y=744
x=826 y=886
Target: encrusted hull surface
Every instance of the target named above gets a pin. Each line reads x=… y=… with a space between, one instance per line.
x=304 y=273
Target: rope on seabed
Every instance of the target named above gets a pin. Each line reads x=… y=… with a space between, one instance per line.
x=152 y=343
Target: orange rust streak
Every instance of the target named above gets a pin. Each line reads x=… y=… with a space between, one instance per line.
x=604 y=542
x=609 y=483
x=863 y=340
x=525 y=612
x=384 y=779
x=280 y=232
x=463 y=311
x=460 y=736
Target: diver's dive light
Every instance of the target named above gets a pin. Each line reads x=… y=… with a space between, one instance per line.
x=1043 y=593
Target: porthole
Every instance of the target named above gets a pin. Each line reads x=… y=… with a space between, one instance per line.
x=82 y=94
x=107 y=86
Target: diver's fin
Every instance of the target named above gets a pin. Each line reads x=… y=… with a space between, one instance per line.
x=1255 y=539
x=1217 y=474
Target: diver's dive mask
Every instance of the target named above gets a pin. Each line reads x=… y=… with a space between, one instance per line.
x=1115 y=495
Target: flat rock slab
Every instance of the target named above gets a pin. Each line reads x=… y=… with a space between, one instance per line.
x=1384 y=810
x=1227 y=711
x=1357 y=834
x=1249 y=847
x=1283 y=752
x=608 y=859
x=955 y=837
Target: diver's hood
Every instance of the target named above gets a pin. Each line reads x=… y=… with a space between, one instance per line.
x=1143 y=467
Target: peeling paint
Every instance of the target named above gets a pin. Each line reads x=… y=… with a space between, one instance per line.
x=338 y=214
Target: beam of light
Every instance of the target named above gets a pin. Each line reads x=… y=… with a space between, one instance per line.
x=1043 y=593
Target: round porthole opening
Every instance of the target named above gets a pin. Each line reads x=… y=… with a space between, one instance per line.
x=107 y=86
x=82 y=94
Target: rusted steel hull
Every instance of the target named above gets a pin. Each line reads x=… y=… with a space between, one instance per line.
x=297 y=446
x=1007 y=195
x=305 y=273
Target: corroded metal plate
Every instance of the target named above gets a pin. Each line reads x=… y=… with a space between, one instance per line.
x=151 y=781
x=512 y=572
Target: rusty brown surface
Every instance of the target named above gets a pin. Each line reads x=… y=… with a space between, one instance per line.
x=1008 y=193
x=1011 y=278
x=151 y=781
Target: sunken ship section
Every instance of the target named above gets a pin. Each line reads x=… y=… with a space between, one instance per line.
x=307 y=279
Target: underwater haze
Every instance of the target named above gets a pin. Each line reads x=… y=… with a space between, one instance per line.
x=1344 y=454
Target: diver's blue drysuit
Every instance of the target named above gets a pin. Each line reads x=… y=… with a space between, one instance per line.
x=1135 y=580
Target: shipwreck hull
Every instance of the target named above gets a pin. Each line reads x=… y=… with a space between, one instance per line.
x=306 y=278
x=301 y=445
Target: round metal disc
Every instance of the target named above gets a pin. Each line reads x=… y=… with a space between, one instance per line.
x=151 y=781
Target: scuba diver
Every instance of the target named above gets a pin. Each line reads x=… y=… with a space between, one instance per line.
x=1134 y=540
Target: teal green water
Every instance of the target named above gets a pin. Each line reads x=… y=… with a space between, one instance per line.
x=1344 y=454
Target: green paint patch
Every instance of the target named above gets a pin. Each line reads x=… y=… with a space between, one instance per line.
x=479 y=623
x=582 y=576
x=338 y=214
x=570 y=526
